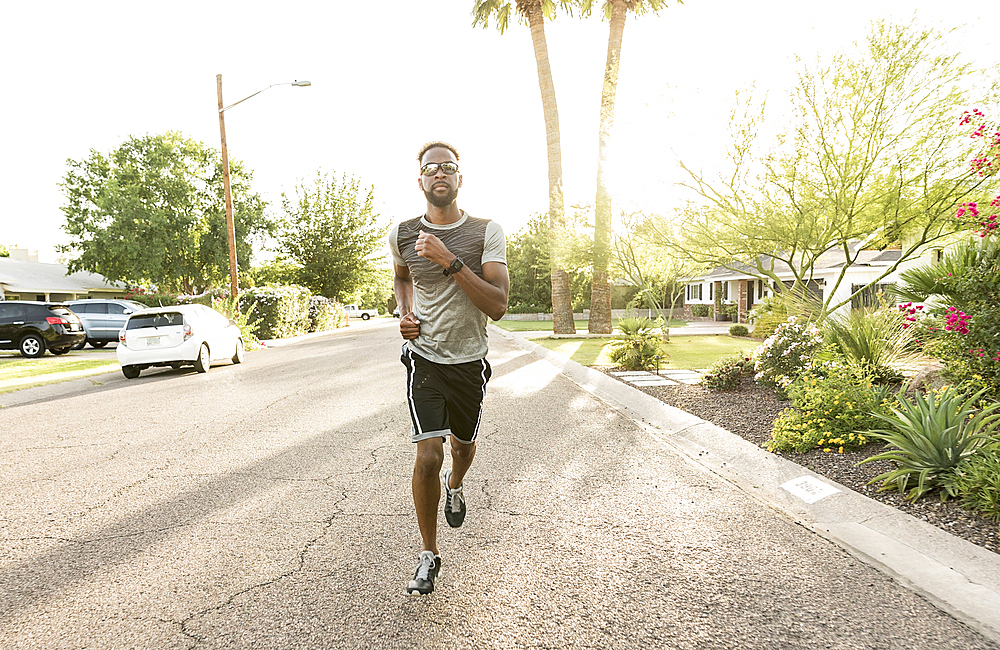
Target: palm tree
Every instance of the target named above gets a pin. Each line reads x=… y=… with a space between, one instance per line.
x=534 y=12
x=616 y=11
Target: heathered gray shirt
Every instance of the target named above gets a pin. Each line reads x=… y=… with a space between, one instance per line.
x=452 y=329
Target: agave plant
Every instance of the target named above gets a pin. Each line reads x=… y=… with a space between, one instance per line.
x=930 y=436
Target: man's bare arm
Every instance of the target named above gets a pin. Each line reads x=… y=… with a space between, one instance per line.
x=402 y=285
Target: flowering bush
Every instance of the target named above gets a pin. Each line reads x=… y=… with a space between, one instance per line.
x=787 y=353
x=728 y=373
x=829 y=413
x=985 y=164
x=283 y=311
x=325 y=314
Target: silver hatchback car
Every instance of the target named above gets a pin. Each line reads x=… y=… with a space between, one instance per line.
x=102 y=318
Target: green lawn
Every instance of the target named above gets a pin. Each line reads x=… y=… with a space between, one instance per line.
x=546 y=325
x=682 y=352
x=17 y=372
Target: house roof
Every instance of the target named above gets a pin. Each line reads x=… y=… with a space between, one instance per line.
x=22 y=276
x=831 y=259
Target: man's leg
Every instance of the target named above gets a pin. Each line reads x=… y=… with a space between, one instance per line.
x=461 y=459
x=427 y=489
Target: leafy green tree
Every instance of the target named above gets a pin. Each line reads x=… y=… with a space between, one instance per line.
x=4 y=251
x=152 y=210
x=376 y=293
x=331 y=232
x=528 y=260
x=655 y=270
x=278 y=272
x=874 y=157
x=615 y=11
x=534 y=12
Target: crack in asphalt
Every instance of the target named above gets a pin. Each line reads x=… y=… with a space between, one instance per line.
x=327 y=525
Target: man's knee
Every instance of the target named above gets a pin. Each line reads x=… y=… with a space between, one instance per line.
x=430 y=457
x=463 y=451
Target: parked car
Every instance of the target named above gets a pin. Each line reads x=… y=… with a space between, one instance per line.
x=353 y=311
x=103 y=318
x=175 y=336
x=33 y=327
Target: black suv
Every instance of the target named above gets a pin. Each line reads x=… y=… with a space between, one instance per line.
x=31 y=327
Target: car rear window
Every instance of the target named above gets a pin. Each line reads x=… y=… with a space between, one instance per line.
x=164 y=319
x=60 y=311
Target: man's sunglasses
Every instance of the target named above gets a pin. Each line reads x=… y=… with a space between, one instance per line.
x=432 y=168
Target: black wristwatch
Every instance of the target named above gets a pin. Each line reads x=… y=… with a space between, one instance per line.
x=455 y=267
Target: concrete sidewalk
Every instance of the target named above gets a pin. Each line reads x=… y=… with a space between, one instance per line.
x=959 y=577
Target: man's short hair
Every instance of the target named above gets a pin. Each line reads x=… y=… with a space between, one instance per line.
x=434 y=145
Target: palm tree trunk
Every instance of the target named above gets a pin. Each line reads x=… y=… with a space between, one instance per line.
x=600 y=292
x=562 y=304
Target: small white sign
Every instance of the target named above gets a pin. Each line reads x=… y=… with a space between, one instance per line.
x=809 y=488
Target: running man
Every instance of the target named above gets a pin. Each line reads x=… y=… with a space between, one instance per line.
x=450 y=274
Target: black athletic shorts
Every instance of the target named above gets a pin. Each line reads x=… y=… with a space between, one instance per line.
x=445 y=399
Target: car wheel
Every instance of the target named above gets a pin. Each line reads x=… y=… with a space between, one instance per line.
x=365 y=316
x=130 y=372
x=204 y=360
x=79 y=346
x=240 y=352
x=32 y=346
x=60 y=351
x=98 y=344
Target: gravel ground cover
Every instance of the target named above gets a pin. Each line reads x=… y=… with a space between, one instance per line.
x=750 y=413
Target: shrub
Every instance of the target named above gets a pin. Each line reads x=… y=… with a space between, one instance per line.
x=874 y=340
x=828 y=413
x=728 y=373
x=324 y=314
x=701 y=311
x=153 y=299
x=739 y=330
x=767 y=315
x=787 y=353
x=282 y=311
x=639 y=344
x=976 y=481
x=928 y=438
x=248 y=328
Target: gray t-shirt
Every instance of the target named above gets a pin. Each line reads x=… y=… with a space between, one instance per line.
x=452 y=328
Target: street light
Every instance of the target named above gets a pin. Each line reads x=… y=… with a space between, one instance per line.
x=230 y=222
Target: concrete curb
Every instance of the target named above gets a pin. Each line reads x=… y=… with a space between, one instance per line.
x=961 y=578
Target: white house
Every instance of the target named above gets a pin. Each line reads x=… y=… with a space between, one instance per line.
x=744 y=287
x=23 y=277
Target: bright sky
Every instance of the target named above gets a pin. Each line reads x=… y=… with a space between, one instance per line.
x=388 y=76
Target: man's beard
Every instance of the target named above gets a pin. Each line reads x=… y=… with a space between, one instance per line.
x=441 y=200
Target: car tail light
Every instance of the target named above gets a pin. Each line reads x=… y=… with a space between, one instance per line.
x=56 y=320
x=188 y=332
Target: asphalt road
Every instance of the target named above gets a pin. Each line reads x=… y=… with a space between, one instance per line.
x=268 y=505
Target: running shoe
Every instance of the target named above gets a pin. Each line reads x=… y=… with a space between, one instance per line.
x=454 y=503
x=428 y=570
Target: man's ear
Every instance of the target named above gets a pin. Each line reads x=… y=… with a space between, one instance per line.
x=420 y=183
x=459 y=180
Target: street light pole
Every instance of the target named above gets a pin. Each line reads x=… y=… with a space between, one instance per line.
x=230 y=221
